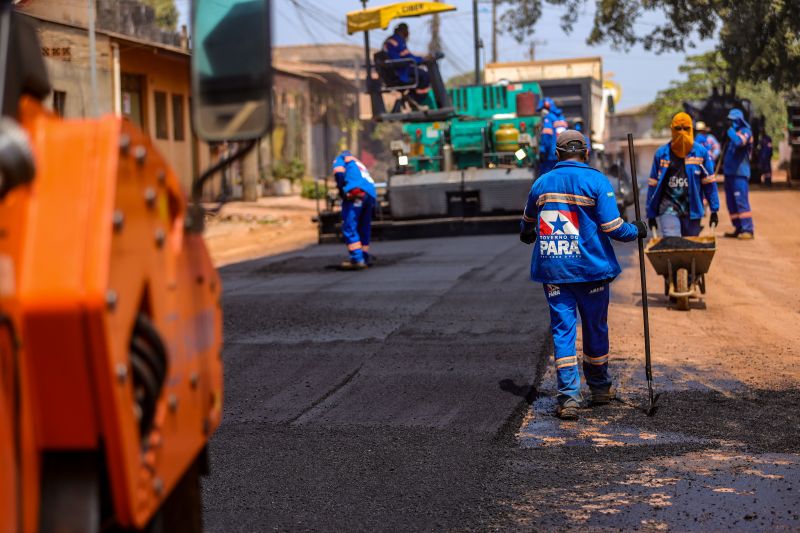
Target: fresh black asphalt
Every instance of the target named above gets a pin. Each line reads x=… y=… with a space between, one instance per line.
x=377 y=400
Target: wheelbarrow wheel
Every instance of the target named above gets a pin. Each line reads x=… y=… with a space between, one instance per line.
x=666 y=286
x=682 y=286
x=702 y=283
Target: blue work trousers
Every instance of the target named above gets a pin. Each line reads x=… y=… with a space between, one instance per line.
x=357 y=226
x=737 y=190
x=589 y=299
x=675 y=226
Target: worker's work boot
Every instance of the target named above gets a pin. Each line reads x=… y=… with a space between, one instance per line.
x=745 y=236
x=731 y=234
x=568 y=410
x=603 y=396
x=353 y=265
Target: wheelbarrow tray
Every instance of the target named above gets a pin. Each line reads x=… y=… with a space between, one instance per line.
x=681 y=257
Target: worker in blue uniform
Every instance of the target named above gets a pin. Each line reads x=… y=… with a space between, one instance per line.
x=571 y=217
x=396 y=48
x=681 y=176
x=765 y=157
x=553 y=123
x=736 y=168
x=707 y=140
x=580 y=127
x=357 y=190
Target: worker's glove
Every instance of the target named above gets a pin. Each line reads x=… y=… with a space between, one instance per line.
x=642 y=227
x=528 y=237
x=652 y=223
x=356 y=194
x=714 y=220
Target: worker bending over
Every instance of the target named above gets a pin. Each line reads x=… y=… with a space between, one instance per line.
x=736 y=168
x=707 y=140
x=357 y=190
x=553 y=124
x=396 y=48
x=681 y=175
x=571 y=217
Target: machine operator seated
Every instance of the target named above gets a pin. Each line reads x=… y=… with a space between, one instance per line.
x=396 y=49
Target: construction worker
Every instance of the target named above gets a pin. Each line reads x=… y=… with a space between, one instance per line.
x=765 y=157
x=707 y=140
x=553 y=123
x=736 y=168
x=681 y=176
x=357 y=190
x=571 y=216
x=396 y=48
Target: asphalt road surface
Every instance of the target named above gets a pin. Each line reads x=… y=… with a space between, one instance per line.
x=385 y=399
x=418 y=395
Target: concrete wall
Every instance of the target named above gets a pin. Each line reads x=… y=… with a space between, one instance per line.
x=66 y=53
x=67 y=11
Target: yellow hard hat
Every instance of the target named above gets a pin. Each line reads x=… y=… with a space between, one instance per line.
x=700 y=126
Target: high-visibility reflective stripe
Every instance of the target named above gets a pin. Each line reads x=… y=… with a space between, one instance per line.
x=526 y=218
x=349 y=158
x=652 y=182
x=354 y=246
x=663 y=163
x=564 y=362
x=601 y=360
x=547 y=131
x=694 y=160
x=565 y=199
x=710 y=179
x=734 y=216
x=611 y=226
x=338 y=169
x=405 y=53
x=423 y=90
x=560 y=124
x=746 y=214
x=391 y=41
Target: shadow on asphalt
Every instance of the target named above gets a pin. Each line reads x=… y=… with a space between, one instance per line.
x=528 y=392
x=311 y=264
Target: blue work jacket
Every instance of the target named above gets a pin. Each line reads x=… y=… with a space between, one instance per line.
x=710 y=143
x=736 y=160
x=699 y=172
x=395 y=47
x=574 y=212
x=350 y=173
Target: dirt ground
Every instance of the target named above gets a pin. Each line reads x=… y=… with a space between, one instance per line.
x=722 y=451
x=270 y=226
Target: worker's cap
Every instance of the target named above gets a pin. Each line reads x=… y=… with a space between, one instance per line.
x=701 y=126
x=402 y=27
x=736 y=114
x=571 y=141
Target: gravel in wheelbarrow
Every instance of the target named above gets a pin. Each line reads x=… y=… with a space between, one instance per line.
x=679 y=243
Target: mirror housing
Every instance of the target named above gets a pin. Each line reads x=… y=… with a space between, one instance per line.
x=231 y=69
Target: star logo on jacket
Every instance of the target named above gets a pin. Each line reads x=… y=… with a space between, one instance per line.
x=558 y=222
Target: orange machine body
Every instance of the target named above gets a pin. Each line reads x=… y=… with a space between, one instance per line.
x=97 y=237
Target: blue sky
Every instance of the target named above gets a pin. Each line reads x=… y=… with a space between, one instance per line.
x=642 y=74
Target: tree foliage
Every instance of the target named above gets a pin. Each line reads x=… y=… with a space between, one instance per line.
x=166 y=13
x=703 y=73
x=758 y=39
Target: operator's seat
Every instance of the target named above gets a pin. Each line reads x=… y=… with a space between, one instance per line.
x=390 y=82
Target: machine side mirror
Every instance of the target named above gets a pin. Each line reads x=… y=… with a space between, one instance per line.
x=231 y=69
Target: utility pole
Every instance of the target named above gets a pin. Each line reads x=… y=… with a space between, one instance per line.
x=477 y=38
x=93 y=58
x=494 y=31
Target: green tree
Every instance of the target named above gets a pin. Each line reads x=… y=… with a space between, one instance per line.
x=703 y=73
x=166 y=13
x=758 y=39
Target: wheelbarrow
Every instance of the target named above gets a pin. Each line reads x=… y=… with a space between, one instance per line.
x=684 y=268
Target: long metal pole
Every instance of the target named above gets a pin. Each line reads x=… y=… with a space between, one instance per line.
x=477 y=42
x=645 y=314
x=367 y=51
x=93 y=57
x=494 y=31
